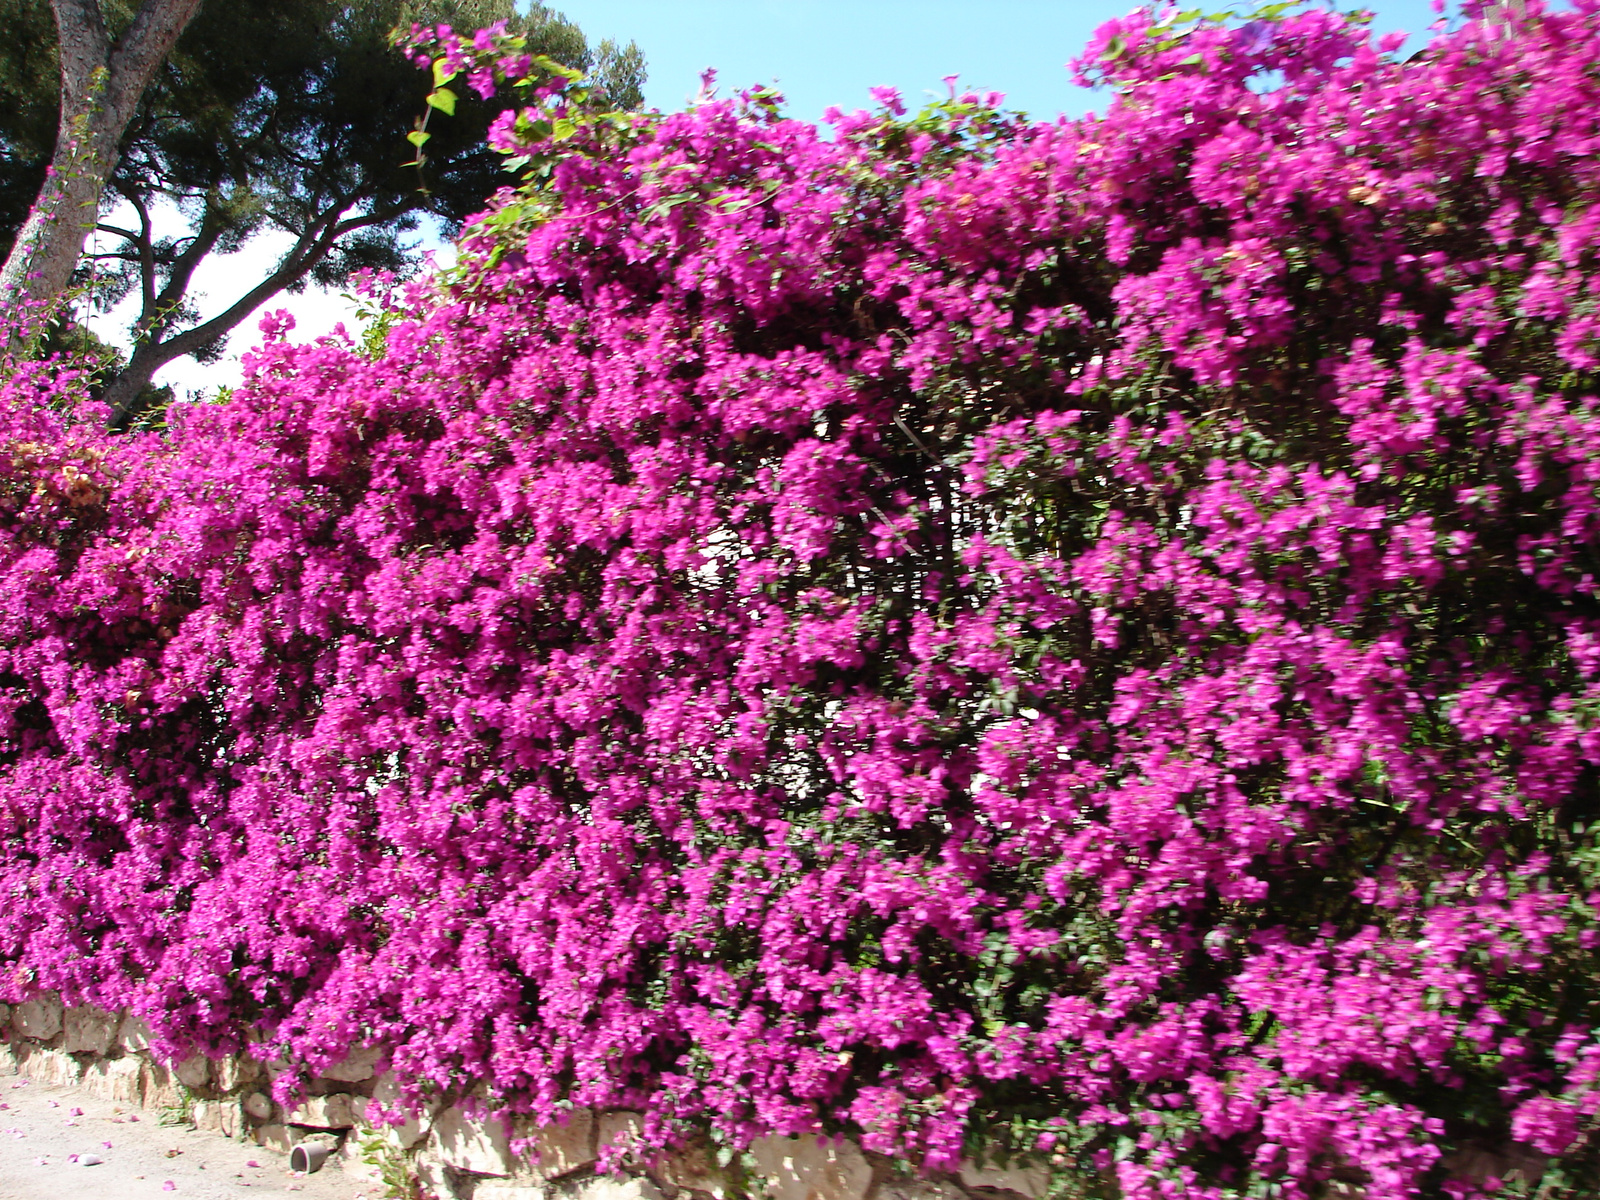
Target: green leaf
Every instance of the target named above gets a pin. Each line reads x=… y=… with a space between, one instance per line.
x=540 y=131
x=442 y=74
x=667 y=205
x=546 y=63
x=563 y=128
x=418 y=137
x=444 y=100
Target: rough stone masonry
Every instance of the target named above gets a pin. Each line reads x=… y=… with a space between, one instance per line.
x=454 y=1151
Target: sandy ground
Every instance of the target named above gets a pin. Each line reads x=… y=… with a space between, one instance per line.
x=47 y=1135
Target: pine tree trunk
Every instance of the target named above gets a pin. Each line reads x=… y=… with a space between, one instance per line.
x=101 y=84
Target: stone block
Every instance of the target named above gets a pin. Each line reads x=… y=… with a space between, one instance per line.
x=405 y=1135
x=323 y=1112
x=386 y=1092
x=475 y=1143
x=161 y=1088
x=89 y=1030
x=8 y=1059
x=278 y=1138
x=900 y=1187
x=217 y=1116
x=495 y=1190
x=811 y=1168
x=360 y=1064
x=235 y=1071
x=134 y=1033
x=693 y=1168
x=275 y=1067
x=606 y=1187
x=39 y=1018
x=53 y=1067
x=120 y=1080
x=259 y=1105
x=559 y=1150
x=193 y=1072
x=620 y=1129
x=1026 y=1180
x=435 y=1176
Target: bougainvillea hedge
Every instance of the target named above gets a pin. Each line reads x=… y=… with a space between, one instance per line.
x=1078 y=638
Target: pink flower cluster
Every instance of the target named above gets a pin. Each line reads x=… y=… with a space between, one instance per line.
x=1079 y=638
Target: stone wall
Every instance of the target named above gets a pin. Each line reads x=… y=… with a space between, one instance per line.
x=449 y=1150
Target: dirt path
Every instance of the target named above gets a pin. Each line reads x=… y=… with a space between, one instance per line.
x=48 y=1134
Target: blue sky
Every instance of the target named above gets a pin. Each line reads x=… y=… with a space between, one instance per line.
x=829 y=52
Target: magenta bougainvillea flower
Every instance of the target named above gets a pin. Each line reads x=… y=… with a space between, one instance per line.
x=1078 y=638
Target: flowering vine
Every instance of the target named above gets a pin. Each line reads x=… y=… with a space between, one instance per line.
x=1077 y=639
